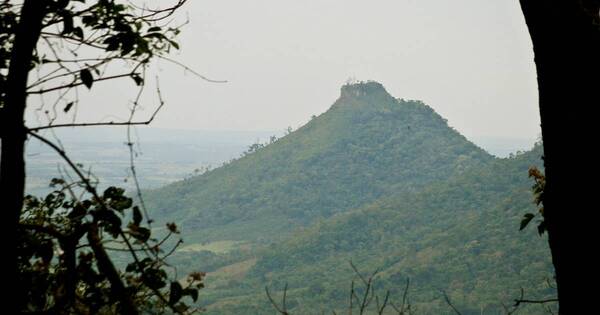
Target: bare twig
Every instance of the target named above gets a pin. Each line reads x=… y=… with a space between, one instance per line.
x=405 y=306
x=381 y=308
x=447 y=299
x=281 y=309
x=517 y=302
x=369 y=293
x=75 y=83
x=130 y=144
x=188 y=69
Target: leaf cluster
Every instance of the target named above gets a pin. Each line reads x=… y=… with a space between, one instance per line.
x=65 y=246
x=538 y=196
x=79 y=39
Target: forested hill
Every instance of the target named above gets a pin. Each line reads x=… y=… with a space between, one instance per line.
x=383 y=182
x=459 y=236
x=366 y=146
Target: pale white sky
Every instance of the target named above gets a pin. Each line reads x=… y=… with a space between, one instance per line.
x=285 y=60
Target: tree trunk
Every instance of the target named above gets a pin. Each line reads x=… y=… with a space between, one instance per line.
x=12 y=125
x=566 y=44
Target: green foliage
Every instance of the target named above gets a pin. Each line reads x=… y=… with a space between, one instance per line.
x=382 y=182
x=538 y=194
x=63 y=262
x=64 y=240
x=363 y=148
x=459 y=236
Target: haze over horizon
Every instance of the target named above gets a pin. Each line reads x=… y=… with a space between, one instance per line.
x=285 y=61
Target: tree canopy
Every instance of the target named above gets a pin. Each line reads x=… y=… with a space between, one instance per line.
x=63 y=243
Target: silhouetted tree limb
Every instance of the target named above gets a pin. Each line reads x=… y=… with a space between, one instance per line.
x=447 y=299
x=103 y=261
x=109 y=123
x=360 y=300
x=518 y=302
x=381 y=308
x=106 y=266
x=69 y=44
x=281 y=309
x=405 y=306
x=369 y=293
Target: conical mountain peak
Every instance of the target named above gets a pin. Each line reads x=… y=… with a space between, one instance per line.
x=366 y=146
x=369 y=92
x=362 y=89
x=380 y=180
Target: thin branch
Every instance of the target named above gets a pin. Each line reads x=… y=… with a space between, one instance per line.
x=366 y=300
x=173 y=249
x=385 y=302
x=369 y=293
x=74 y=40
x=284 y=297
x=522 y=300
x=156 y=15
x=43 y=229
x=76 y=13
x=109 y=123
x=130 y=144
x=188 y=69
x=351 y=297
x=282 y=310
x=450 y=303
x=72 y=72
x=104 y=262
x=358 y=273
x=75 y=83
x=519 y=301
x=106 y=266
x=405 y=295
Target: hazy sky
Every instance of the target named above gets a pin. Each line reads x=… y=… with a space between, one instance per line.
x=285 y=60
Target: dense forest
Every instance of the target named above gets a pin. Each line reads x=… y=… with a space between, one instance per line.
x=366 y=146
x=382 y=182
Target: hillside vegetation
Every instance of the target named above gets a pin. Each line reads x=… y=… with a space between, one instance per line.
x=368 y=145
x=379 y=181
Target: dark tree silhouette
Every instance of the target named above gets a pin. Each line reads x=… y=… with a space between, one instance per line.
x=62 y=262
x=69 y=43
x=566 y=44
